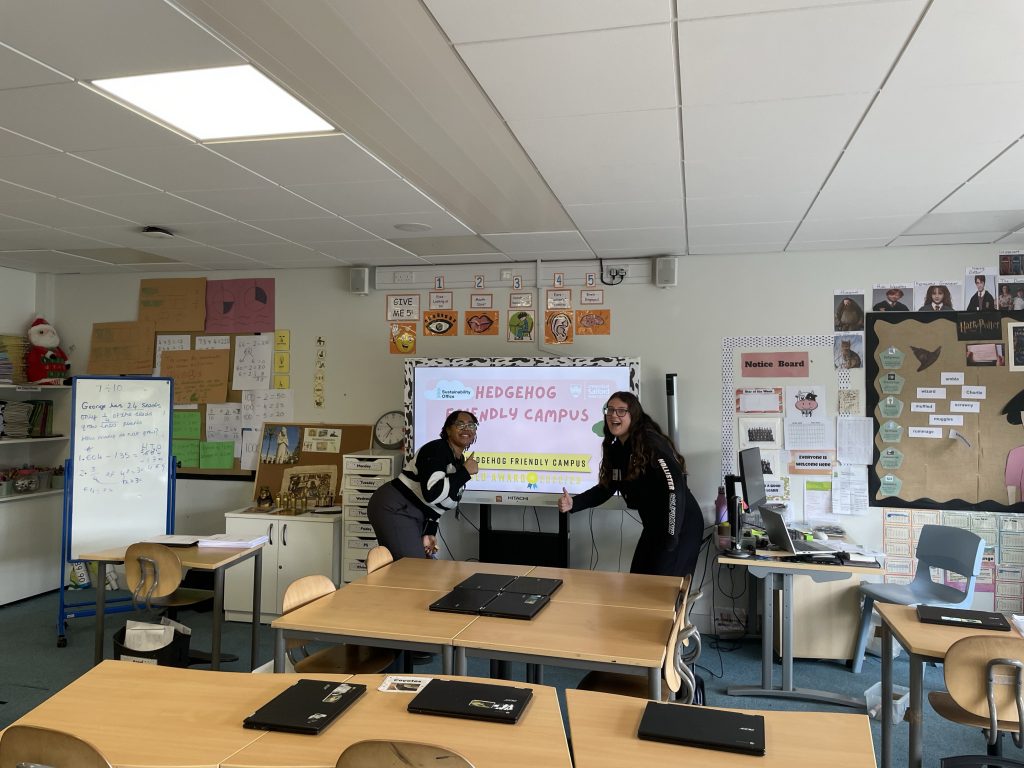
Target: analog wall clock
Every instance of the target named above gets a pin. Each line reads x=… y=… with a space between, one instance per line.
x=389 y=431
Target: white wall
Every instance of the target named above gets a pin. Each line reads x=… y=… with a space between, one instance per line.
x=17 y=301
x=675 y=330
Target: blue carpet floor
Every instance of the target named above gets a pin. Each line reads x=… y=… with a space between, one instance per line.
x=32 y=668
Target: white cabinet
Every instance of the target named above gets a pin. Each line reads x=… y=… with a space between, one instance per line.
x=30 y=523
x=362 y=474
x=300 y=545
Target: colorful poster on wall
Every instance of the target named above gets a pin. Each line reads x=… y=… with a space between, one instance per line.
x=441 y=322
x=173 y=304
x=558 y=327
x=522 y=325
x=593 y=322
x=481 y=322
x=402 y=339
x=240 y=306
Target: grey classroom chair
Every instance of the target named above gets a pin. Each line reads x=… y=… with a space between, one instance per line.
x=940 y=546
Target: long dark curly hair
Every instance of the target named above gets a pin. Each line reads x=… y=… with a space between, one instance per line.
x=643 y=431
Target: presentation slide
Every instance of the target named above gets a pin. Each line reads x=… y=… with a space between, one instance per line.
x=540 y=425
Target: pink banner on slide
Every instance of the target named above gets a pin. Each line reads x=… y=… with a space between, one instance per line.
x=765 y=365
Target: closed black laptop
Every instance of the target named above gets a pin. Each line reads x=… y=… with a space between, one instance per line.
x=955 y=617
x=476 y=701
x=514 y=605
x=492 y=581
x=464 y=600
x=307 y=707
x=703 y=727
x=533 y=585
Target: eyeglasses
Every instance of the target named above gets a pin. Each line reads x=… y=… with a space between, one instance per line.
x=465 y=425
x=620 y=412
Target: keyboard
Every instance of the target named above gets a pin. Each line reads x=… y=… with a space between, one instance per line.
x=811 y=546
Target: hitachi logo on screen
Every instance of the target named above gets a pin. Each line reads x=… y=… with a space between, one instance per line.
x=511 y=497
x=599 y=390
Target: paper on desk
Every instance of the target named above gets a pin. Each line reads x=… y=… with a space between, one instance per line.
x=403 y=684
x=172 y=540
x=1018 y=622
x=232 y=542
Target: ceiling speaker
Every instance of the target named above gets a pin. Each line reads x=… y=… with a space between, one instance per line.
x=359 y=280
x=665 y=271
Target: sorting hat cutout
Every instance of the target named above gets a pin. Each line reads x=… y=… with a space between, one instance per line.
x=925 y=358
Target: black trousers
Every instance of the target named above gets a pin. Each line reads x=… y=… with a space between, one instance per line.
x=397 y=523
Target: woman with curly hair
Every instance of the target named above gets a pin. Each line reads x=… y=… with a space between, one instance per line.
x=640 y=462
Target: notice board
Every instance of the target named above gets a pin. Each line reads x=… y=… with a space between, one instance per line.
x=946 y=404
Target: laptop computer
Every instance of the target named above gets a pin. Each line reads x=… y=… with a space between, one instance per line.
x=957 y=617
x=514 y=605
x=534 y=585
x=492 y=581
x=475 y=701
x=702 y=727
x=778 y=534
x=464 y=600
x=307 y=707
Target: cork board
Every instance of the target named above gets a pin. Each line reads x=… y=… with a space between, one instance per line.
x=306 y=459
x=937 y=387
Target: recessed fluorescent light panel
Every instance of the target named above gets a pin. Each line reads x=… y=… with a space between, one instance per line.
x=218 y=103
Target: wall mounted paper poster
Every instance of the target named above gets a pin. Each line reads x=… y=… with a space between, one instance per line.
x=522 y=324
x=173 y=304
x=980 y=289
x=592 y=296
x=892 y=297
x=213 y=342
x=848 y=311
x=939 y=296
x=520 y=300
x=441 y=300
x=593 y=322
x=1015 y=333
x=166 y=342
x=1011 y=263
x=121 y=348
x=441 y=323
x=558 y=298
x=253 y=362
x=848 y=351
x=481 y=300
x=200 y=376
x=763 y=433
x=558 y=327
x=244 y=305
x=402 y=339
x=481 y=322
x=759 y=400
x=282 y=340
x=402 y=307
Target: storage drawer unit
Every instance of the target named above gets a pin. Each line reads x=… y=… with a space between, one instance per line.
x=363 y=473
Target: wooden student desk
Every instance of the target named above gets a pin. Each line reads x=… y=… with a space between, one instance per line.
x=923 y=642
x=437 y=575
x=145 y=716
x=603 y=729
x=215 y=559
x=777 y=573
x=388 y=617
x=629 y=590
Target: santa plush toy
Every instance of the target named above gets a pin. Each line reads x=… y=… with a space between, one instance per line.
x=45 y=361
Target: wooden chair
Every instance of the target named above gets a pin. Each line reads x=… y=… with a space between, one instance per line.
x=399 y=754
x=30 y=745
x=153 y=573
x=336 y=659
x=377 y=558
x=984 y=684
x=681 y=651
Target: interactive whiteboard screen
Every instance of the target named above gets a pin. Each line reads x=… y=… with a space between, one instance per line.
x=541 y=419
x=120 y=461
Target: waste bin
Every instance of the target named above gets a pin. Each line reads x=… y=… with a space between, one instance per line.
x=174 y=654
x=897 y=707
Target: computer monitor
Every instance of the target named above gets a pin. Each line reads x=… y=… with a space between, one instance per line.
x=752 y=478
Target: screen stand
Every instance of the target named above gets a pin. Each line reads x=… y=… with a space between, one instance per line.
x=524 y=547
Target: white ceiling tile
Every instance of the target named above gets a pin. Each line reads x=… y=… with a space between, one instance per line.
x=981 y=221
x=163 y=267
x=310 y=231
x=383 y=225
x=177 y=169
x=367 y=252
x=996 y=188
x=18 y=71
x=767 y=175
x=52 y=212
x=334 y=159
x=820 y=125
x=1014 y=238
x=482 y=258
x=725 y=250
x=43 y=113
x=701 y=9
x=223 y=233
x=52 y=262
x=310 y=260
x=9 y=222
x=44 y=238
x=833 y=245
x=958 y=42
x=660 y=240
x=741 y=234
x=193 y=253
x=866 y=202
x=620 y=215
x=66 y=176
x=854 y=229
x=156 y=208
x=109 y=38
x=949 y=239
x=475 y=20
x=879 y=166
x=13 y=145
x=808 y=52
x=537 y=242
x=598 y=183
x=584 y=73
x=267 y=202
x=573 y=255
x=276 y=252
x=366 y=198
x=713 y=211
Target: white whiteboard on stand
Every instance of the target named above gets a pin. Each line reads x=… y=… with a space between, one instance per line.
x=121 y=463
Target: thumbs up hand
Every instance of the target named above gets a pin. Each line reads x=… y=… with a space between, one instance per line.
x=564 y=501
